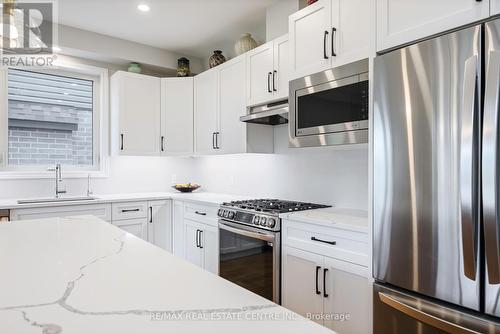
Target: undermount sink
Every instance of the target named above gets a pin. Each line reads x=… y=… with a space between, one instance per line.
x=53 y=199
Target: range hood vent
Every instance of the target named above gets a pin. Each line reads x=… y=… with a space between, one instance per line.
x=275 y=113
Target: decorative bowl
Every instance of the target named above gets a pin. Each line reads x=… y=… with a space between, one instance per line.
x=186 y=188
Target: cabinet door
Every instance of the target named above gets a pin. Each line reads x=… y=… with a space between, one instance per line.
x=401 y=22
x=205 y=111
x=210 y=244
x=178 y=229
x=281 y=67
x=232 y=134
x=139 y=108
x=192 y=252
x=177 y=116
x=351 y=22
x=348 y=291
x=160 y=224
x=310 y=40
x=259 y=72
x=494 y=7
x=137 y=227
x=301 y=280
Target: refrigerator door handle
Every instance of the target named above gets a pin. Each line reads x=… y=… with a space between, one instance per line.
x=468 y=180
x=490 y=165
x=423 y=317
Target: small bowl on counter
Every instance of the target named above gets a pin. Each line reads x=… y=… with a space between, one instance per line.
x=186 y=187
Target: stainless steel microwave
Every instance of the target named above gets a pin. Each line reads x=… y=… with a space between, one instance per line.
x=330 y=107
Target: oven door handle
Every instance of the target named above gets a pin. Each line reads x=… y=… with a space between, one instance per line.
x=242 y=230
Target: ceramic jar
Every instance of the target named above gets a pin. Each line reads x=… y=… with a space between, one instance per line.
x=244 y=44
x=183 y=67
x=134 y=68
x=216 y=59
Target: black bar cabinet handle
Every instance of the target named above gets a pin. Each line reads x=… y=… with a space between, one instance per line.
x=324 y=44
x=274 y=80
x=130 y=210
x=317 y=283
x=217 y=140
x=325 y=270
x=201 y=245
x=162 y=143
x=213 y=140
x=334 y=33
x=324 y=241
x=269 y=82
x=197 y=238
x=150 y=214
x=121 y=141
x=200 y=213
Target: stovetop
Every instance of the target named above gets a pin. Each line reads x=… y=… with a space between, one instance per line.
x=273 y=206
x=262 y=213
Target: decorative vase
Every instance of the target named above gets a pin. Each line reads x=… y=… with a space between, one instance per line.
x=216 y=59
x=134 y=68
x=244 y=44
x=183 y=67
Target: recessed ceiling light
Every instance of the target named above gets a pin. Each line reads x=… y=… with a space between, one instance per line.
x=143 y=7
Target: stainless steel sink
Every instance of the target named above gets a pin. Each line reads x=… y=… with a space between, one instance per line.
x=53 y=199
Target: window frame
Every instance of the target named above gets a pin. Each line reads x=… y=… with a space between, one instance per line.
x=100 y=167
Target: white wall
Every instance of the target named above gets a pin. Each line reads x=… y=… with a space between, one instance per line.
x=329 y=175
x=126 y=174
x=277 y=18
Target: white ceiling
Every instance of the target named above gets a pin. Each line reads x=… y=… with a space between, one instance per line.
x=190 y=27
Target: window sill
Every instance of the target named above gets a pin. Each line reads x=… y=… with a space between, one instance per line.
x=18 y=175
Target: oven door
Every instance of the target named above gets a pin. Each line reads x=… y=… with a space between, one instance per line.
x=250 y=258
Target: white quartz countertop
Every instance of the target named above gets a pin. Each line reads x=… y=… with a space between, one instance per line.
x=351 y=219
x=82 y=275
x=200 y=197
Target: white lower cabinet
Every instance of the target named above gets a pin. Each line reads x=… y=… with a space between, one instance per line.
x=325 y=276
x=160 y=224
x=330 y=292
x=137 y=227
x=196 y=234
x=201 y=245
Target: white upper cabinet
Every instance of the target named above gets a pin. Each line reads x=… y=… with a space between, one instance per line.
x=281 y=72
x=327 y=34
x=351 y=31
x=135 y=112
x=259 y=71
x=401 y=22
x=231 y=137
x=494 y=7
x=309 y=30
x=177 y=112
x=268 y=68
x=206 y=111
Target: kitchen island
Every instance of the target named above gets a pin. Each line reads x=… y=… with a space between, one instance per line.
x=83 y=275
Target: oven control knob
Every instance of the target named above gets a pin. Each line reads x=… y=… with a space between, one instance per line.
x=230 y=215
x=271 y=222
x=219 y=212
x=263 y=221
x=226 y=213
x=256 y=220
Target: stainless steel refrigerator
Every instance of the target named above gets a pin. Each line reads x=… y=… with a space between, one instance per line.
x=436 y=185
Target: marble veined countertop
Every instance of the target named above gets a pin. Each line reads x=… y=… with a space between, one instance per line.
x=82 y=275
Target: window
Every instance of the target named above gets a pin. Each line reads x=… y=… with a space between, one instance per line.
x=52 y=116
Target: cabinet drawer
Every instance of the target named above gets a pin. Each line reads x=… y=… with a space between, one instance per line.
x=129 y=210
x=201 y=213
x=346 y=245
x=102 y=211
x=137 y=227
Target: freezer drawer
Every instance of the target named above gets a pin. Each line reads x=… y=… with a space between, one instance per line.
x=396 y=313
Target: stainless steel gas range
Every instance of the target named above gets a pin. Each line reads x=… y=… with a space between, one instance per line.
x=250 y=243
